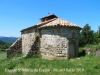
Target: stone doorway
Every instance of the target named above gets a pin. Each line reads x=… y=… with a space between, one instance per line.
x=71 y=50
x=71 y=53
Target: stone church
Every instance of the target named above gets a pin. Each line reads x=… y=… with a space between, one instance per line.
x=52 y=38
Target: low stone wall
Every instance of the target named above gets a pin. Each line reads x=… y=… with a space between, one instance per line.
x=93 y=52
x=15 y=48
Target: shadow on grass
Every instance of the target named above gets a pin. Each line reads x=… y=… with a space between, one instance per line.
x=32 y=56
x=82 y=53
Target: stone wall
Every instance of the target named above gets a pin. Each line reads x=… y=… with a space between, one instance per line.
x=54 y=42
x=59 y=42
x=29 y=44
x=15 y=48
x=93 y=52
x=35 y=47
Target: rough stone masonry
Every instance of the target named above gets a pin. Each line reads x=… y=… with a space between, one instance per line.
x=53 y=38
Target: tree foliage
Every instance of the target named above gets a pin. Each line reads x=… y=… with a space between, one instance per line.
x=4 y=45
x=98 y=31
x=88 y=36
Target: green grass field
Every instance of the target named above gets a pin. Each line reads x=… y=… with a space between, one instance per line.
x=86 y=65
x=83 y=65
x=2 y=55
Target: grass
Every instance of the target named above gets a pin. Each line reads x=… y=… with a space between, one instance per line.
x=2 y=55
x=92 y=47
x=83 y=65
x=87 y=65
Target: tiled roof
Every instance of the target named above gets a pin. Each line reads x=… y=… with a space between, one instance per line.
x=53 y=22
x=56 y=22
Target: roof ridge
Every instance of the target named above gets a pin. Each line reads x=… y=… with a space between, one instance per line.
x=41 y=23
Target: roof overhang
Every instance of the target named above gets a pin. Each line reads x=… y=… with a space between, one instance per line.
x=28 y=28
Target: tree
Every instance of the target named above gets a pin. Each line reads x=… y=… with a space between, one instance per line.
x=98 y=30
x=86 y=35
x=97 y=36
x=4 y=45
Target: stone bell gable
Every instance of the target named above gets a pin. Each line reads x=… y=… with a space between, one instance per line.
x=52 y=38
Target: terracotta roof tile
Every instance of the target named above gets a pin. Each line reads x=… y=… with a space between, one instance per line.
x=56 y=22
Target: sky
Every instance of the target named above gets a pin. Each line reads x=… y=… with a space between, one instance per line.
x=16 y=15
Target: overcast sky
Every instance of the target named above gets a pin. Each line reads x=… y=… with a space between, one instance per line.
x=16 y=15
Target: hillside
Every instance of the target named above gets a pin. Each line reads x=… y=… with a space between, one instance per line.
x=2 y=42
x=4 y=45
x=8 y=39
